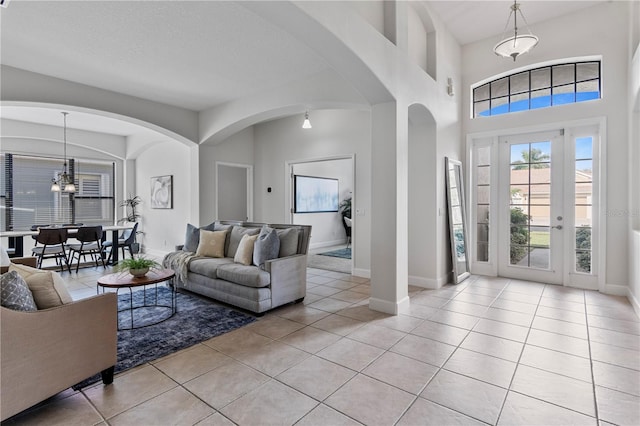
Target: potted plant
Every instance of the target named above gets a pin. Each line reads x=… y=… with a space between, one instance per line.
x=131 y=205
x=345 y=207
x=136 y=266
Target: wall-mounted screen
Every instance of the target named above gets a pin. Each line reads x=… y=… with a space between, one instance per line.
x=315 y=194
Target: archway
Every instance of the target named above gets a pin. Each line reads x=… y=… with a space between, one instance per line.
x=423 y=198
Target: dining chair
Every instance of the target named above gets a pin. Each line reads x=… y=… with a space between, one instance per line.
x=53 y=246
x=347 y=227
x=125 y=240
x=35 y=228
x=90 y=243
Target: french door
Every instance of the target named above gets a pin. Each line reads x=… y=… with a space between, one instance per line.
x=531 y=200
x=544 y=207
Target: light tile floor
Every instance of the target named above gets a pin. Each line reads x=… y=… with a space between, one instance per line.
x=487 y=351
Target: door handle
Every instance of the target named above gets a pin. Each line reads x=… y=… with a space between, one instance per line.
x=557 y=227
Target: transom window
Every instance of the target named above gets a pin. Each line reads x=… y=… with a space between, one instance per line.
x=538 y=88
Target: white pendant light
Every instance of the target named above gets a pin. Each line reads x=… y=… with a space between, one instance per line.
x=306 y=124
x=518 y=44
x=64 y=182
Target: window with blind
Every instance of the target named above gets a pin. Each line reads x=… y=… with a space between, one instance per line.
x=27 y=198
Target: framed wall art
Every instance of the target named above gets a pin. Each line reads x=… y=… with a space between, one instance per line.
x=162 y=192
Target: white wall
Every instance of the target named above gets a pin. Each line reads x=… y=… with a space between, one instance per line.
x=327 y=228
x=609 y=39
x=164 y=228
x=335 y=133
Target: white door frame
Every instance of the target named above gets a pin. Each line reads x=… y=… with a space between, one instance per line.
x=249 y=170
x=289 y=200
x=491 y=139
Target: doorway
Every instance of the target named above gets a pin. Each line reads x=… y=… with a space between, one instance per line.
x=329 y=248
x=536 y=206
x=234 y=195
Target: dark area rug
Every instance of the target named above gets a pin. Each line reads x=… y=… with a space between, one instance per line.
x=197 y=319
x=344 y=253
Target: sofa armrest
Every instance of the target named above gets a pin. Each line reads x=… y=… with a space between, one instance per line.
x=44 y=352
x=288 y=278
x=28 y=261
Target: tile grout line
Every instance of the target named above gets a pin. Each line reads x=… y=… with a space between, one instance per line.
x=593 y=379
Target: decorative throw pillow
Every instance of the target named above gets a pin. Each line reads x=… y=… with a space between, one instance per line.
x=288 y=242
x=267 y=246
x=211 y=243
x=236 y=235
x=15 y=294
x=192 y=236
x=244 y=253
x=48 y=287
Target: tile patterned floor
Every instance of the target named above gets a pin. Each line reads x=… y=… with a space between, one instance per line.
x=487 y=351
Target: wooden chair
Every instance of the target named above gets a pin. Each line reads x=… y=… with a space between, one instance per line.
x=90 y=243
x=53 y=246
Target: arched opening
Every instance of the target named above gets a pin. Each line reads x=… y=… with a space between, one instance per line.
x=423 y=193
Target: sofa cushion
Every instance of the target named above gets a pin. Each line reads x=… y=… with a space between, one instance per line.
x=250 y=276
x=48 y=287
x=266 y=247
x=208 y=266
x=15 y=293
x=211 y=243
x=236 y=235
x=288 y=241
x=244 y=253
x=192 y=236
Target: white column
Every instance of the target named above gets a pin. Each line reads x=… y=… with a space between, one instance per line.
x=389 y=209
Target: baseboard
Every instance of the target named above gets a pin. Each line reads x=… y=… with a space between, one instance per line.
x=428 y=283
x=633 y=301
x=393 y=308
x=362 y=273
x=313 y=246
x=616 y=289
x=156 y=253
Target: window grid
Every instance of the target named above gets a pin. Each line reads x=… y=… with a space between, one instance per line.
x=28 y=199
x=486 y=102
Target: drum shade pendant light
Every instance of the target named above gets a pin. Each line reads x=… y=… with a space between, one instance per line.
x=306 y=124
x=516 y=45
x=63 y=182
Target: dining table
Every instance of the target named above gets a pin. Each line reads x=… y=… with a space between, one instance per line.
x=16 y=238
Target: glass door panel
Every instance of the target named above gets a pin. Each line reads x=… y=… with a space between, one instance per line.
x=533 y=202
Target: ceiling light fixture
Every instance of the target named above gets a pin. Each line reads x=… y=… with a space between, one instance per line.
x=306 y=124
x=514 y=46
x=64 y=182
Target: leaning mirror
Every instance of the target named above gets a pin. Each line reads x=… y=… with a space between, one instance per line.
x=457 y=220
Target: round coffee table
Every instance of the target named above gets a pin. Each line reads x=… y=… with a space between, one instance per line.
x=122 y=280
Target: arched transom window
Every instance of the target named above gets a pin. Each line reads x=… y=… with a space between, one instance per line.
x=538 y=88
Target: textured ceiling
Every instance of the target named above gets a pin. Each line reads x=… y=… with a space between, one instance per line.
x=191 y=54
x=471 y=21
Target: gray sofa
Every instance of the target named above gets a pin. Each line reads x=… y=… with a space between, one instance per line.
x=257 y=289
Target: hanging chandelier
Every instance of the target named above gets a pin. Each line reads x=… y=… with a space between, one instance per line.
x=516 y=45
x=63 y=181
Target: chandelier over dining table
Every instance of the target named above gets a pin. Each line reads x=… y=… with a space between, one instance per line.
x=63 y=180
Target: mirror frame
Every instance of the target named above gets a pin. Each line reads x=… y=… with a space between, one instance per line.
x=459 y=275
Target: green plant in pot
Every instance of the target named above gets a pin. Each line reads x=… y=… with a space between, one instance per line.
x=345 y=207
x=136 y=266
x=131 y=204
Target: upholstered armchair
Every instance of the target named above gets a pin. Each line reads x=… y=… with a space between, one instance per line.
x=46 y=351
